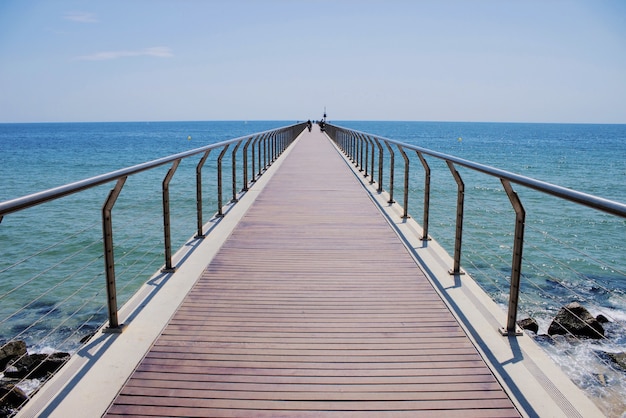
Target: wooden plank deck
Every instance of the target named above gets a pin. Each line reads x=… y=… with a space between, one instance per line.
x=313 y=307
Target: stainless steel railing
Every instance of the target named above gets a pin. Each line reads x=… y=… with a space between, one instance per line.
x=265 y=146
x=359 y=147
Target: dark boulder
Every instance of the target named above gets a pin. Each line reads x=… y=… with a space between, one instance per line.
x=11 y=397
x=35 y=366
x=574 y=319
x=602 y=319
x=529 y=324
x=10 y=351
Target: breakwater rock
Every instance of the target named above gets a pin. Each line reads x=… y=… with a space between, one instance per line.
x=574 y=319
x=529 y=324
x=16 y=365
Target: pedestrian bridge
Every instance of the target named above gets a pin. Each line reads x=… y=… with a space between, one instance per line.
x=313 y=296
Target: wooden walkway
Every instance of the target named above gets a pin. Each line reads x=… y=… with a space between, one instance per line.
x=313 y=307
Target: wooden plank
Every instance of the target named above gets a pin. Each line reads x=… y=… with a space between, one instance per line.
x=327 y=394
x=227 y=376
x=313 y=307
x=141 y=410
x=441 y=405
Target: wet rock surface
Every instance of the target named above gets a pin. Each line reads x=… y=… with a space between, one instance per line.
x=574 y=319
x=529 y=324
x=10 y=351
x=16 y=364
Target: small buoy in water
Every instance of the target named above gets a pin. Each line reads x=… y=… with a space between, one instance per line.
x=460 y=139
x=189 y=138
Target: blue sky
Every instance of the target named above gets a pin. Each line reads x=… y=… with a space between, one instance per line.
x=445 y=60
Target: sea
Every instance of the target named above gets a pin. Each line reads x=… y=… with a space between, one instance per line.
x=52 y=291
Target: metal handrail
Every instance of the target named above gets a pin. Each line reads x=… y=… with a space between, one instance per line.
x=350 y=142
x=277 y=140
x=595 y=202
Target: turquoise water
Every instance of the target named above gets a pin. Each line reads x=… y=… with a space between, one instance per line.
x=57 y=296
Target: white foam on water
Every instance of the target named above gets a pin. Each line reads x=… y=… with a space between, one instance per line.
x=28 y=386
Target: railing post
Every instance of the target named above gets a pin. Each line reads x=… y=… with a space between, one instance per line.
x=353 y=153
x=245 y=164
x=272 y=149
x=265 y=150
x=280 y=145
x=199 y=233
x=406 y=182
x=516 y=265
x=109 y=259
x=253 y=158
x=354 y=149
x=426 y=195
x=392 y=169
x=260 y=143
x=459 y=218
x=166 y=218
x=339 y=137
x=357 y=150
x=220 y=213
x=371 y=141
x=235 y=172
x=360 y=157
x=367 y=152
x=380 y=165
x=283 y=142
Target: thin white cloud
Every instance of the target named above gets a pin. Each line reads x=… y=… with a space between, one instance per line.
x=81 y=17
x=158 y=52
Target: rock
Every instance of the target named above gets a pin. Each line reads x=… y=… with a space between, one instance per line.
x=35 y=366
x=529 y=323
x=49 y=364
x=18 y=364
x=544 y=338
x=618 y=358
x=87 y=337
x=576 y=320
x=602 y=319
x=10 y=351
x=11 y=396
